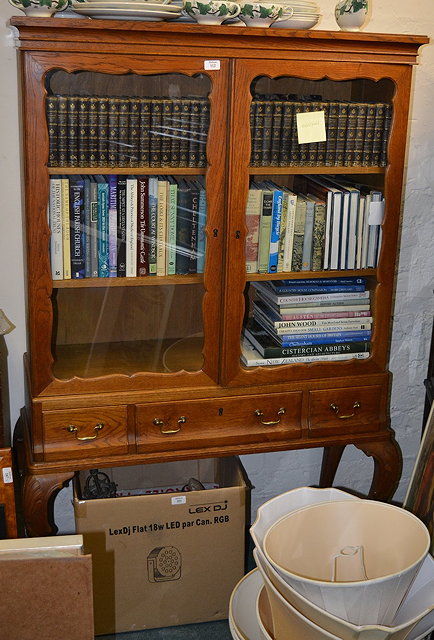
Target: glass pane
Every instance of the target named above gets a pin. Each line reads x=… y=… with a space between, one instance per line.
x=128 y=248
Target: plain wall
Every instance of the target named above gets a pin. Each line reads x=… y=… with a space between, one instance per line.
x=276 y=472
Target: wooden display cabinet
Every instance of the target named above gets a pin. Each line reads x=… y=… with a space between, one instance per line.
x=132 y=370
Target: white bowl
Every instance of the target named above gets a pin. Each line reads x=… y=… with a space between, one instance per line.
x=275 y=508
x=356 y=559
x=243 y=604
x=415 y=616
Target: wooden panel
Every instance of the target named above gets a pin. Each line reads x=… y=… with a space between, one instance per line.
x=232 y=420
x=351 y=410
x=76 y=433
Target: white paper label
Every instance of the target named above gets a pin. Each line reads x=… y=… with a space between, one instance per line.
x=7 y=475
x=311 y=127
x=376 y=212
x=178 y=500
x=212 y=65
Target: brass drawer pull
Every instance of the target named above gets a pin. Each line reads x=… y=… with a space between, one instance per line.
x=335 y=407
x=72 y=429
x=160 y=423
x=269 y=423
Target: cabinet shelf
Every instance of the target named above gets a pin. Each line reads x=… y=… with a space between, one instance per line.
x=315 y=170
x=184 y=171
x=295 y=275
x=128 y=358
x=152 y=281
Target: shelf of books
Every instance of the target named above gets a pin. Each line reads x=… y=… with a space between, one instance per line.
x=126 y=230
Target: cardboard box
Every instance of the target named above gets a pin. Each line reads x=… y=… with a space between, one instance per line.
x=46 y=589
x=165 y=559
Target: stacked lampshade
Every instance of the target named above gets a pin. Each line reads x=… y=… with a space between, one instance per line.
x=332 y=566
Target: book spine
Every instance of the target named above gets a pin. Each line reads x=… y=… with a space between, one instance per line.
x=87 y=256
x=193 y=144
x=66 y=229
x=123 y=132
x=201 y=235
x=103 y=259
x=341 y=133
x=93 y=230
x=289 y=235
x=171 y=228
x=276 y=216
x=62 y=131
x=161 y=226
x=131 y=228
x=350 y=140
x=155 y=133
x=56 y=234
x=309 y=325
x=286 y=133
x=298 y=240
x=103 y=131
x=325 y=337
x=142 y=225
x=266 y=134
x=113 y=132
x=315 y=350
x=83 y=131
x=184 y=139
x=93 y=132
x=327 y=288
x=359 y=133
x=122 y=227
x=257 y=133
x=377 y=142
x=113 y=225
x=53 y=130
x=152 y=225
x=306 y=260
x=318 y=237
x=369 y=135
x=265 y=231
x=276 y=133
x=166 y=133
x=194 y=227
x=203 y=132
x=183 y=229
x=283 y=286
x=295 y=153
x=76 y=199
x=283 y=227
x=144 y=136
x=261 y=362
x=332 y=315
x=72 y=119
x=331 y=132
x=386 y=133
x=133 y=132
x=322 y=145
x=175 y=133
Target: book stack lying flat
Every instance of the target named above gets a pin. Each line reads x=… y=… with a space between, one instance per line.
x=308 y=320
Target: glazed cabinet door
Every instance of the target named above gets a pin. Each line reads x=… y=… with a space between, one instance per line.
x=315 y=184
x=126 y=153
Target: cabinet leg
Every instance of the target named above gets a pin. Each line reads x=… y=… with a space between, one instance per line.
x=387 y=467
x=38 y=493
x=330 y=461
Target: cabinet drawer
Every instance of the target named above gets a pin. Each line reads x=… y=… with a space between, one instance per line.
x=207 y=423
x=80 y=433
x=349 y=410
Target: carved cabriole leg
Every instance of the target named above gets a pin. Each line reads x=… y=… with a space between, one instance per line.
x=387 y=467
x=330 y=461
x=38 y=496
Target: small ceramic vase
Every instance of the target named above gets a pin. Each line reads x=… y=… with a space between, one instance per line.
x=39 y=9
x=351 y=14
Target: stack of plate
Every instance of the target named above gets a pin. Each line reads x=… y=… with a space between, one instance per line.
x=154 y=11
x=306 y=15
